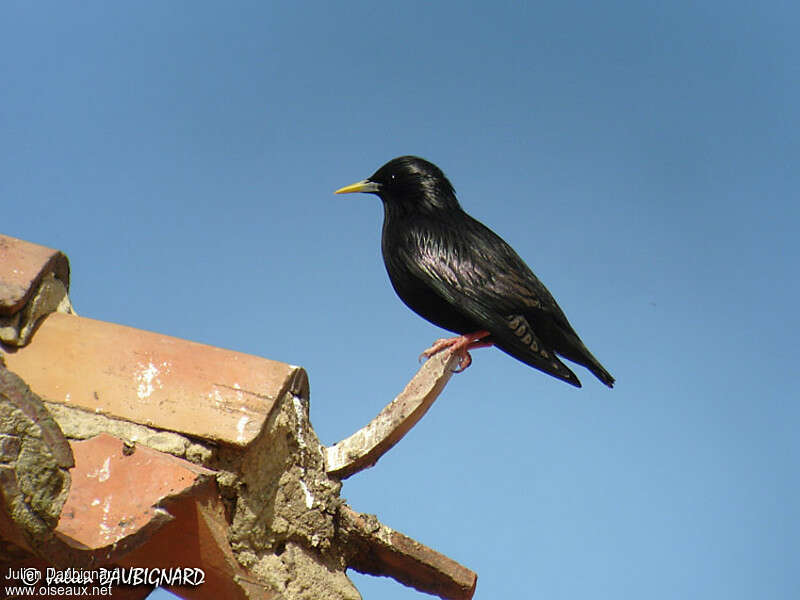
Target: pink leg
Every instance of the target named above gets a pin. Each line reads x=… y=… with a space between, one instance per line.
x=462 y=345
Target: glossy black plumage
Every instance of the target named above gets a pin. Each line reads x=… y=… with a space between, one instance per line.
x=458 y=274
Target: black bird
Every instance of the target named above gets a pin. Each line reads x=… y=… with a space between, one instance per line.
x=458 y=274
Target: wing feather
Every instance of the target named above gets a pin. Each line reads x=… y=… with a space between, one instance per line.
x=481 y=276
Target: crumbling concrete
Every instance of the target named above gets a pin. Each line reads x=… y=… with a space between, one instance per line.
x=284 y=523
x=34 y=465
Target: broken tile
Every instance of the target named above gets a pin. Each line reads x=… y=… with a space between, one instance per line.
x=116 y=498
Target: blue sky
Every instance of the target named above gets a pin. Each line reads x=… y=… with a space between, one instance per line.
x=641 y=156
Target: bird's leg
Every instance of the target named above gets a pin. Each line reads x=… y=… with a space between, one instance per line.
x=462 y=345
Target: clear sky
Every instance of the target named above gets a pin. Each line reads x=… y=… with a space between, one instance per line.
x=641 y=156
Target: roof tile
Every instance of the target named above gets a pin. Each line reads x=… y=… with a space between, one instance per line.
x=154 y=379
x=101 y=512
x=22 y=267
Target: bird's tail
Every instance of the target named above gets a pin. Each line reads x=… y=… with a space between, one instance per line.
x=577 y=352
x=601 y=373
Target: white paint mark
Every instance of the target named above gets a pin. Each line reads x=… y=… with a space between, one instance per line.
x=240 y=428
x=301 y=417
x=67 y=398
x=147 y=378
x=309 y=495
x=215 y=396
x=103 y=473
x=96 y=501
x=105 y=528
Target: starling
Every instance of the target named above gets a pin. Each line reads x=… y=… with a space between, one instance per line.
x=458 y=274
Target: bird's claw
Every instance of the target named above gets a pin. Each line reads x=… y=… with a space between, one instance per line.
x=463 y=362
x=461 y=345
x=437 y=347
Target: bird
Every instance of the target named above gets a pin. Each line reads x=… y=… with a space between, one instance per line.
x=458 y=274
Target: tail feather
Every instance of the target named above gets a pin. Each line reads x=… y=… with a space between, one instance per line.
x=539 y=349
x=550 y=365
x=577 y=352
x=601 y=373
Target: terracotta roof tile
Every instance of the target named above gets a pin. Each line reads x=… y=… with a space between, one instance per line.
x=198 y=537
x=154 y=379
x=102 y=513
x=376 y=549
x=22 y=267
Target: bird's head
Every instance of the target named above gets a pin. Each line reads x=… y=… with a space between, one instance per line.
x=408 y=184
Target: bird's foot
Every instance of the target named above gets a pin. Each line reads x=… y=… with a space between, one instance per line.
x=462 y=345
x=438 y=346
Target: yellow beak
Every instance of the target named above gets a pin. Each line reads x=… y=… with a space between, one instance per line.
x=361 y=186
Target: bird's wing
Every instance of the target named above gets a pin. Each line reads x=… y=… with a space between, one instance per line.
x=477 y=273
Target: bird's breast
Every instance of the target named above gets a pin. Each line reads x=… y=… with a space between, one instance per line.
x=417 y=291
